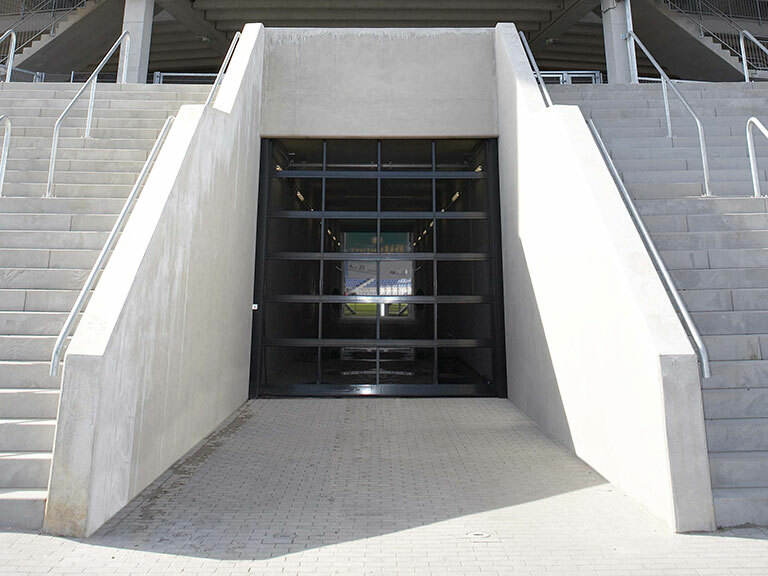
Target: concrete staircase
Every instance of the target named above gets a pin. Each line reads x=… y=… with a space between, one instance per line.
x=47 y=247
x=717 y=250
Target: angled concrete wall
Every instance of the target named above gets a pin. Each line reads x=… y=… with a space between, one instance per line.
x=162 y=354
x=596 y=355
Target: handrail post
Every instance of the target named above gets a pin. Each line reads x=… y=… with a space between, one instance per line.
x=633 y=77
x=97 y=266
x=6 y=148
x=742 y=45
x=91 y=102
x=224 y=65
x=654 y=253
x=667 y=113
x=752 y=123
x=11 y=52
x=123 y=39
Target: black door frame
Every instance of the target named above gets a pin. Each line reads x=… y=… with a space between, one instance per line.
x=495 y=299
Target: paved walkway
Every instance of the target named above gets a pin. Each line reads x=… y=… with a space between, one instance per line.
x=384 y=486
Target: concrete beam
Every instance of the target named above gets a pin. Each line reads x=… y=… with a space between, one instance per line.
x=573 y=13
x=195 y=22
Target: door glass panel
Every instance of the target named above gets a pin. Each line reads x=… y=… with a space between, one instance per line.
x=459 y=321
x=351 y=194
x=293 y=235
x=464 y=365
x=348 y=365
x=402 y=155
x=406 y=195
x=291 y=366
x=290 y=320
x=460 y=155
x=462 y=195
x=462 y=236
x=350 y=278
x=407 y=321
x=458 y=278
x=405 y=236
x=406 y=366
x=349 y=320
x=406 y=278
x=292 y=277
x=352 y=155
x=300 y=194
x=350 y=235
x=297 y=155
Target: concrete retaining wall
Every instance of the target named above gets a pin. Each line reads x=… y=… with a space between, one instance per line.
x=162 y=354
x=596 y=355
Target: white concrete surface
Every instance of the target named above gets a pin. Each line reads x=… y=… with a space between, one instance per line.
x=162 y=353
x=420 y=487
x=615 y=26
x=596 y=355
x=379 y=83
x=137 y=21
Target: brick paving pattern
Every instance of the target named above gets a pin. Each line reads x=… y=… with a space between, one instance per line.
x=381 y=487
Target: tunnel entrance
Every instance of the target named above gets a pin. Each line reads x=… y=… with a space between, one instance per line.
x=378 y=269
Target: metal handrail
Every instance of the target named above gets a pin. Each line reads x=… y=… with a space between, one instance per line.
x=752 y=123
x=653 y=251
x=665 y=84
x=224 y=65
x=743 y=46
x=98 y=265
x=6 y=147
x=11 y=51
x=125 y=37
x=536 y=71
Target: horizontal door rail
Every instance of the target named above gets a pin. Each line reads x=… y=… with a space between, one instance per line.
x=655 y=256
x=666 y=84
x=125 y=38
x=223 y=68
x=754 y=123
x=6 y=147
x=743 y=36
x=536 y=71
x=111 y=239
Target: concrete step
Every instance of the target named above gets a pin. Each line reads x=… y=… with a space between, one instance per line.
x=75 y=222
x=38 y=258
x=667 y=241
x=61 y=205
x=675 y=176
x=29 y=375
x=737 y=374
x=726 y=278
x=707 y=300
x=65 y=165
x=25 y=470
x=26 y=348
x=735 y=258
x=70 y=177
x=79 y=114
x=38 y=300
x=735 y=403
x=42 y=278
x=648 y=190
x=62 y=154
x=36 y=121
x=97 y=133
x=699 y=205
x=26 y=434
x=62 y=190
x=665 y=148
x=22 y=509
x=714 y=323
x=102 y=103
x=741 y=506
x=737 y=435
x=36 y=323
x=57 y=239
x=116 y=143
x=28 y=403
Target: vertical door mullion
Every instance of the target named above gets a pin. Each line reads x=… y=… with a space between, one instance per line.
x=434 y=265
x=319 y=379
